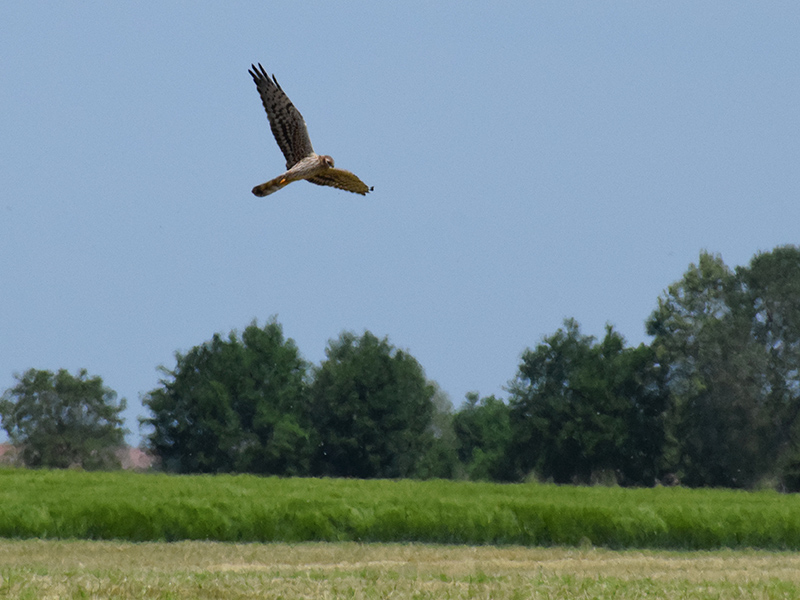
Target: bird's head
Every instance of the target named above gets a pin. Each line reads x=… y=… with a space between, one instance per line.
x=327 y=161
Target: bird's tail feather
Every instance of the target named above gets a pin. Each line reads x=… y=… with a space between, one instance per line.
x=271 y=186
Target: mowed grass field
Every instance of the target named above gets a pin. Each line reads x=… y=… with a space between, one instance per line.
x=84 y=569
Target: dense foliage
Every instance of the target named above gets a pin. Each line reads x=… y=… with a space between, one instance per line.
x=371 y=406
x=731 y=344
x=580 y=409
x=61 y=420
x=234 y=405
x=483 y=430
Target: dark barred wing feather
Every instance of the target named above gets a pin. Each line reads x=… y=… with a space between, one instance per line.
x=286 y=122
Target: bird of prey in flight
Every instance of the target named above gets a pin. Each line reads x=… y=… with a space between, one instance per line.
x=290 y=132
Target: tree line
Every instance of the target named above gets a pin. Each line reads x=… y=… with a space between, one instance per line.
x=712 y=400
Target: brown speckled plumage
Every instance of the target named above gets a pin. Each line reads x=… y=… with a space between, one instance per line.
x=291 y=134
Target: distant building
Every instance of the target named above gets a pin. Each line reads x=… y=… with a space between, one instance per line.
x=135 y=459
x=8 y=454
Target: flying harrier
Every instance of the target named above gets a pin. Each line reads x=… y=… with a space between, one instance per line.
x=290 y=132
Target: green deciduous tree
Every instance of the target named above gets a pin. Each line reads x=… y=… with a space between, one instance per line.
x=371 y=408
x=483 y=429
x=770 y=288
x=731 y=341
x=234 y=405
x=580 y=409
x=439 y=458
x=718 y=432
x=60 y=420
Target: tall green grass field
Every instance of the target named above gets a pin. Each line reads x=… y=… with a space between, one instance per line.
x=243 y=508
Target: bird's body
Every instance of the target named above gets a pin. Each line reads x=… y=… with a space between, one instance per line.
x=307 y=167
x=289 y=129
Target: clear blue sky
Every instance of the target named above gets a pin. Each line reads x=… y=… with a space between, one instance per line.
x=531 y=162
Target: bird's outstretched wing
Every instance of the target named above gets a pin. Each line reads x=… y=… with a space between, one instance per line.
x=285 y=120
x=341 y=179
